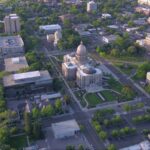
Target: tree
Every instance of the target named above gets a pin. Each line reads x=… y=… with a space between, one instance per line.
x=115 y=133
x=56 y=84
x=103 y=135
x=130 y=23
x=70 y=147
x=116 y=120
x=4 y=135
x=119 y=42
x=73 y=9
x=127 y=92
x=106 y=122
x=81 y=147
x=111 y=147
x=35 y=113
x=142 y=70
x=27 y=123
x=115 y=52
x=99 y=49
x=82 y=128
x=37 y=131
x=58 y=105
x=47 y=111
x=96 y=23
x=31 y=57
x=98 y=128
x=131 y=50
x=67 y=23
x=67 y=99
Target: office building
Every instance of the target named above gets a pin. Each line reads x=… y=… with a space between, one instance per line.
x=12 y=24
x=28 y=82
x=11 y=46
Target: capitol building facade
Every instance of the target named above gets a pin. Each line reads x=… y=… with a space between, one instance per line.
x=76 y=66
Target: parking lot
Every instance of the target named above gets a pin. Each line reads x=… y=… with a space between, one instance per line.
x=56 y=144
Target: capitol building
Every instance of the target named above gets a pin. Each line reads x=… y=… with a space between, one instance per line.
x=76 y=66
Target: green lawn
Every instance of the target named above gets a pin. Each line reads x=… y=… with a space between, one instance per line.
x=93 y=99
x=125 y=69
x=115 y=85
x=109 y=95
x=18 y=142
x=79 y=96
x=126 y=58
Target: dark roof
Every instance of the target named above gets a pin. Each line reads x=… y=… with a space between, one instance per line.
x=89 y=70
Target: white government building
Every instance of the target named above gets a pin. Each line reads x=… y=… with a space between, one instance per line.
x=76 y=66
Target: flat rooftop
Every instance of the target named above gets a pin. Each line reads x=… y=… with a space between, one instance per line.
x=15 y=63
x=50 y=27
x=11 y=41
x=36 y=77
x=65 y=126
x=51 y=96
x=26 y=75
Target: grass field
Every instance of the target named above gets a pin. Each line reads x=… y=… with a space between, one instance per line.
x=93 y=99
x=18 y=142
x=3 y=1
x=115 y=85
x=109 y=95
x=79 y=95
x=128 y=69
x=126 y=58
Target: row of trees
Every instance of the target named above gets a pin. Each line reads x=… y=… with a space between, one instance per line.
x=100 y=114
x=72 y=147
x=102 y=134
x=141 y=118
x=6 y=118
x=32 y=127
x=127 y=107
x=48 y=110
x=116 y=133
x=99 y=118
x=32 y=123
x=116 y=120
